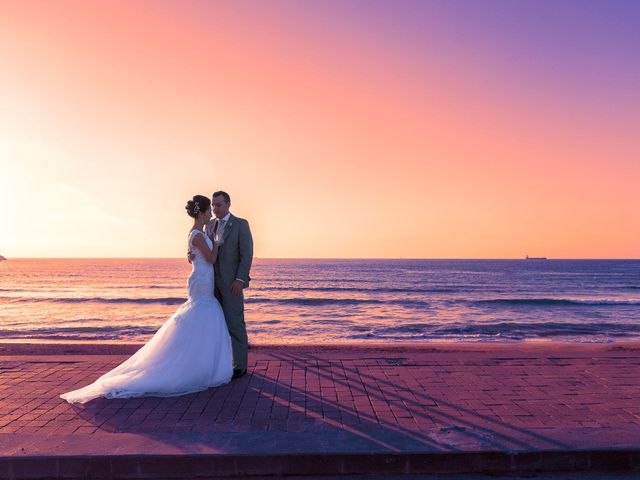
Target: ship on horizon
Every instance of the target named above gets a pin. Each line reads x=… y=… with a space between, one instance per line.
x=535 y=258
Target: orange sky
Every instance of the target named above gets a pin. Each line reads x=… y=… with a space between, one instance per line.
x=337 y=132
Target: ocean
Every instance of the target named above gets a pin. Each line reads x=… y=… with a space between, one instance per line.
x=329 y=301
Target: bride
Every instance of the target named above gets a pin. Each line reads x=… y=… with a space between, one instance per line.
x=192 y=350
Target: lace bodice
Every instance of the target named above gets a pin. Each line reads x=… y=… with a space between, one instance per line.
x=200 y=284
x=196 y=251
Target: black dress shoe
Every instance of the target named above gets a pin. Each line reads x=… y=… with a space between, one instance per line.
x=237 y=373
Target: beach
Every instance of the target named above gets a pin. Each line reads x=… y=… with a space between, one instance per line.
x=332 y=409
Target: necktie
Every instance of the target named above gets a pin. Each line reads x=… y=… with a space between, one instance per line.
x=219 y=224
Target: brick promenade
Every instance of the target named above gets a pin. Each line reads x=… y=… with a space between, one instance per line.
x=331 y=410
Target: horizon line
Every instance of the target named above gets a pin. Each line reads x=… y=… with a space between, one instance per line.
x=333 y=258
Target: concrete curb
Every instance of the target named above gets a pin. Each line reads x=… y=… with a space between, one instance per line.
x=221 y=466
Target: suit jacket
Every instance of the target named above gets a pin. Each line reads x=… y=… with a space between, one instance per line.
x=236 y=254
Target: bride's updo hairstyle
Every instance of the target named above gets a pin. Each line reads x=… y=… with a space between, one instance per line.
x=198 y=204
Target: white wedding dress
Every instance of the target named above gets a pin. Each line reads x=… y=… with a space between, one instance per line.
x=189 y=353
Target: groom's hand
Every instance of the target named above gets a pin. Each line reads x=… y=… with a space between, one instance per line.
x=236 y=288
x=190 y=256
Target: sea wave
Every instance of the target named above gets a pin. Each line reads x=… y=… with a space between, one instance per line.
x=111 y=287
x=102 y=332
x=370 y=290
x=408 y=331
x=499 y=330
x=63 y=300
x=128 y=287
x=301 y=301
x=541 y=329
x=555 y=302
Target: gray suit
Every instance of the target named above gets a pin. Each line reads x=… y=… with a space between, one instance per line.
x=234 y=262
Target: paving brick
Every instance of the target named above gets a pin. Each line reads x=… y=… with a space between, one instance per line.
x=499 y=397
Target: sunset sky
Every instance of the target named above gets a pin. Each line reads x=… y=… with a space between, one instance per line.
x=397 y=129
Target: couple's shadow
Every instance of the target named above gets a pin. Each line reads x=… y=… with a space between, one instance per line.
x=307 y=397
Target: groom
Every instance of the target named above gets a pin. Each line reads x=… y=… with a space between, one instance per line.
x=232 y=274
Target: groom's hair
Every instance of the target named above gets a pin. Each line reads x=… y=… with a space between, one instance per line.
x=220 y=193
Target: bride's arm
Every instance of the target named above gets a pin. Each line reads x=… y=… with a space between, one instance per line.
x=201 y=245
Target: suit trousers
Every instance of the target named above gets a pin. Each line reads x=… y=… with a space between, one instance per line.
x=233 y=308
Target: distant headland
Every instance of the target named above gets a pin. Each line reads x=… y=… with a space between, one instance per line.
x=535 y=258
